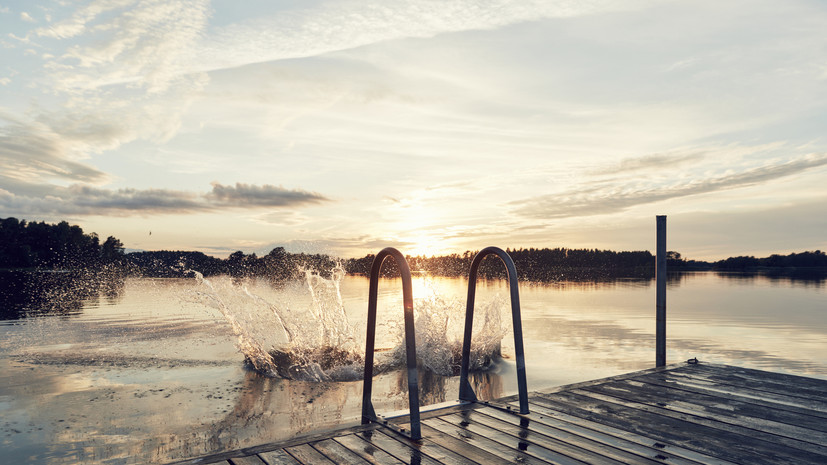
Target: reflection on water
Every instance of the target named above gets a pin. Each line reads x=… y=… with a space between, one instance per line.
x=117 y=414
x=782 y=277
x=24 y=293
x=139 y=371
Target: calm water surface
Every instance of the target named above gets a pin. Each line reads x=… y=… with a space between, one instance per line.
x=143 y=371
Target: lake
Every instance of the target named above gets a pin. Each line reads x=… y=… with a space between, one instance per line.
x=136 y=370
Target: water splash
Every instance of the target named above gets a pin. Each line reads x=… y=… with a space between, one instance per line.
x=440 y=324
x=301 y=329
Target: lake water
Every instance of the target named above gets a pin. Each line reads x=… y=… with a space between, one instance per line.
x=153 y=370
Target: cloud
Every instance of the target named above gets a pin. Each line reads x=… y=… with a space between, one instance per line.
x=139 y=43
x=90 y=200
x=151 y=43
x=32 y=151
x=261 y=196
x=32 y=199
x=312 y=31
x=654 y=161
x=110 y=77
x=618 y=194
x=27 y=17
x=119 y=71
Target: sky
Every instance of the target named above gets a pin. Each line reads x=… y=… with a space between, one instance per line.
x=344 y=127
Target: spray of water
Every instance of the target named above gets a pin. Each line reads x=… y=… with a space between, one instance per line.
x=300 y=330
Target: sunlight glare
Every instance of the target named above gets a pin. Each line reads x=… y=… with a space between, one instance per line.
x=423 y=245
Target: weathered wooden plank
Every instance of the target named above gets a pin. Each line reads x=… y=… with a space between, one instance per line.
x=277 y=457
x=779 y=401
x=740 y=393
x=626 y=440
x=305 y=453
x=338 y=453
x=764 y=380
x=324 y=433
x=566 y=387
x=751 y=427
x=472 y=453
x=574 y=439
x=249 y=460
x=214 y=459
x=508 y=454
x=812 y=383
x=758 y=438
x=781 y=422
x=405 y=451
x=445 y=455
x=368 y=451
x=525 y=444
x=541 y=435
x=790 y=392
x=670 y=429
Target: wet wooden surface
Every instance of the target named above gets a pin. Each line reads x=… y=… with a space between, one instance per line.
x=682 y=414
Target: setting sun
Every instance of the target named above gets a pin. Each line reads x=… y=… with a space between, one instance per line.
x=424 y=246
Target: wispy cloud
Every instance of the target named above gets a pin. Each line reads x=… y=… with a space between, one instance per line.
x=619 y=193
x=81 y=199
x=111 y=77
x=654 y=161
x=126 y=41
x=33 y=151
x=127 y=70
x=108 y=201
x=260 y=196
x=334 y=26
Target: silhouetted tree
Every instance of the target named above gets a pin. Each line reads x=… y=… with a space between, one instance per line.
x=42 y=245
x=112 y=249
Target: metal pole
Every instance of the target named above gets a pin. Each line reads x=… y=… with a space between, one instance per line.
x=660 y=296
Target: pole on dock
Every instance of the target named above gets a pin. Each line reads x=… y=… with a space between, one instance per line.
x=660 y=296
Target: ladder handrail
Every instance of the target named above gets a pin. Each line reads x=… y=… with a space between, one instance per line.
x=466 y=392
x=368 y=413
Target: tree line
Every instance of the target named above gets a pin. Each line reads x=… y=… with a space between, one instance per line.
x=532 y=264
x=817 y=259
x=277 y=265
x=544 y=264
x=63 y=246
x=53 y=246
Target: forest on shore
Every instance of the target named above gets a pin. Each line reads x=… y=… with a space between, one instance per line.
x=42 y=246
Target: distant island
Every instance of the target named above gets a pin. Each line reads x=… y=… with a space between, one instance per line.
x=42 y=246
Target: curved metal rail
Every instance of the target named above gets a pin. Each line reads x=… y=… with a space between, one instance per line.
x=466 y=392
x=368 y=413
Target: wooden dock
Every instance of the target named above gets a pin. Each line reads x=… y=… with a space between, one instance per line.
x=681 y=414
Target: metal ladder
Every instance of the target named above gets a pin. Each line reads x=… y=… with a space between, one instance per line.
x=466 y=392
x=368 y=413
